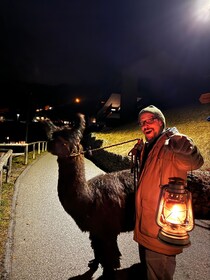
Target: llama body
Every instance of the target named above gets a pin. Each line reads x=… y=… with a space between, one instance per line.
x=102 y=206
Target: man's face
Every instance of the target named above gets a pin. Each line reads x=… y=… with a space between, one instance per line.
x=150 y=126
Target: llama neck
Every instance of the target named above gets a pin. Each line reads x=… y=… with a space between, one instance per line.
x=72 y=172
x=73 y=189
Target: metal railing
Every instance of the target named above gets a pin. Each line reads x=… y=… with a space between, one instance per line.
x=7 y=153
x=36 y=146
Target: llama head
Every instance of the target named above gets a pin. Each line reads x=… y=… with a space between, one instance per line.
x=65 y=141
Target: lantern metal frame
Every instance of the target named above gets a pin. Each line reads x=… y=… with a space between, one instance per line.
x=175 y=214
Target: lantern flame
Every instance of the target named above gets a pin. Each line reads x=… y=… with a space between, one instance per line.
x=175 y=213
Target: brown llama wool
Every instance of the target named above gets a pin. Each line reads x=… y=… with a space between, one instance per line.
x=102 y=206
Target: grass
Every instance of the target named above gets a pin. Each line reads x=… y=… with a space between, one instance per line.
x=188 y=120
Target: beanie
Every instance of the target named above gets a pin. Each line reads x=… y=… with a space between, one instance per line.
x=155 y=111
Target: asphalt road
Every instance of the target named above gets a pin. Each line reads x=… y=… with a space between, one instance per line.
x=45 y=243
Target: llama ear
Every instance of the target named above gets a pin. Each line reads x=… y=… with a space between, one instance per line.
x=79 y=125
x=49 y=127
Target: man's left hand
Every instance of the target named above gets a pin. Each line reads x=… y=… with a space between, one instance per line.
x=180 y=144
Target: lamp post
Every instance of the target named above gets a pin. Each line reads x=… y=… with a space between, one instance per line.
x=28 y=116
x=175 y=215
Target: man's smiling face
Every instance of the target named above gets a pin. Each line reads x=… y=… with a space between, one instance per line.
x=150 y=126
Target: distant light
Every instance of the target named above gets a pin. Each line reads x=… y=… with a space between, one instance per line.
x=77 y=100
x=115 y=109
x=93 y=120
x=39 y=118
x=48 y=107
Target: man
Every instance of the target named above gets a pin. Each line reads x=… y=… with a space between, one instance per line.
x=166 y=153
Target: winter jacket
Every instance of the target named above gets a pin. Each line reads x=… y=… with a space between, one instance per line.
x=161 y=164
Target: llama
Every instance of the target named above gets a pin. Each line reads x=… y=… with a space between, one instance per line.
x=102 y=206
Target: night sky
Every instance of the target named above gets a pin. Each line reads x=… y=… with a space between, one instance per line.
x=58 y=49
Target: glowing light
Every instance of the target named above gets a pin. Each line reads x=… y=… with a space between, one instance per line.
x=201 y=13
x=77 y=100
x=175 y=214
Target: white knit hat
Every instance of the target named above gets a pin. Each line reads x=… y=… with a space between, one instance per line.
x=155 y=111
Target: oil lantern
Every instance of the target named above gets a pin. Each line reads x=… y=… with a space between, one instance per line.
x=175 y=215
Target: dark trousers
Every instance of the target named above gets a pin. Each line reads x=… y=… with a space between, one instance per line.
x=156 y=266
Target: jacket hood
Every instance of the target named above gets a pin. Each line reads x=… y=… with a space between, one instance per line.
x=170 y=131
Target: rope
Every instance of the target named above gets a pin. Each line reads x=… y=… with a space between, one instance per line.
x=135 y=161
x=134 y=154
x=74 y=154
x=110 y=146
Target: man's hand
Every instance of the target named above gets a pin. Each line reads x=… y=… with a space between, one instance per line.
x=180 y=144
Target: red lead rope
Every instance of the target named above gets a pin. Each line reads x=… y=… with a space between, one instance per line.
x=135 y=157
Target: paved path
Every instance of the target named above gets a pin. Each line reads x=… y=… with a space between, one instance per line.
x=46 y=244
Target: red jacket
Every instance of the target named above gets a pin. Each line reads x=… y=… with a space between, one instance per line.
x=161 y=164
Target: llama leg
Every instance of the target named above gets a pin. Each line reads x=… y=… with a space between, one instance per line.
x=111 y=257
x=106 y=252
x=111 y=252
x=95 y=244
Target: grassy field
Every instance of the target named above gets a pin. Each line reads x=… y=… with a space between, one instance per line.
x=191 y=121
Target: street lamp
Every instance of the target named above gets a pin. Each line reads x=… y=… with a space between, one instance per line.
x=28 y=116
x=202 y=11
x=77 y=100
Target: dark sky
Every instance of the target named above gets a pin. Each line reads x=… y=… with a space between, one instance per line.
x=93 y=44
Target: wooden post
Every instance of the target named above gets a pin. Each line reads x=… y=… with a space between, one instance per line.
x=26 y=155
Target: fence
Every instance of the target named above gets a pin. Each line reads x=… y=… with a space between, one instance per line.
x=36 y=146
x=7 y=151
x=5 y=164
